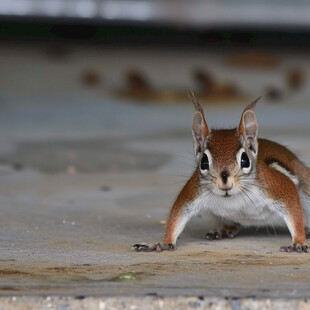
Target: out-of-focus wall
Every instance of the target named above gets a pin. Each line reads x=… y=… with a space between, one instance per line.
x=175 y=13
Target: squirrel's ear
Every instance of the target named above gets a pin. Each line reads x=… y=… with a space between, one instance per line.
x=248 y=127
x=200 y=128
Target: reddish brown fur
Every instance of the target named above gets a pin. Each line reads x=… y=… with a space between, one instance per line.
x=189 y=192
x=278 y=186
x=222 y=144
x=270 y=149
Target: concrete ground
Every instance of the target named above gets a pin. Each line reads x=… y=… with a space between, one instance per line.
x=84 y=176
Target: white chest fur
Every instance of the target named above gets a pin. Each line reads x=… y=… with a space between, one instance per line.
x=249 y=208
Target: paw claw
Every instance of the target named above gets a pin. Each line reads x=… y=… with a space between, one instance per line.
x=158 y=247
x=217 y=236
x=155 y=247
x=220 y=235
x=209 y=236
x=296 y=247
x=228 y=234
x=168 y=247
x=141 y=247
x=224 y=231
x=213 y=236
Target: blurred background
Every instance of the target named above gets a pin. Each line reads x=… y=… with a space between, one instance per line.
x=95 y=121
x=102 y=86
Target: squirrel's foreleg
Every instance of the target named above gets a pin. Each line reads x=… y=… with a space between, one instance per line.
x=185 y=206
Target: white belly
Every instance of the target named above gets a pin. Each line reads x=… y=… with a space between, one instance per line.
x=254 y=210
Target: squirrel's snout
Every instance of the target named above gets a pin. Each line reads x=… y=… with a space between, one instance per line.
x=226 y=188
x=225 y=181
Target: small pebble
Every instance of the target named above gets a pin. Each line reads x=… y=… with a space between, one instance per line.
x=127 y=277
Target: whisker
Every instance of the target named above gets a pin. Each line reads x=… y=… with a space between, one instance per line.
x=243 y=191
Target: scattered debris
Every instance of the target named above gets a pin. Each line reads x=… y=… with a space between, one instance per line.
x=137 y=83
x=139 y=88
x=295 y=78
x=253 y=59
x=204 y=81
x=127 y=277
x=90 y=78
x=209 y=88
x=273 y=93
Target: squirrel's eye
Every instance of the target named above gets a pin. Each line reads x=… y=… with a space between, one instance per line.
x=204 y=162
x=245 y=161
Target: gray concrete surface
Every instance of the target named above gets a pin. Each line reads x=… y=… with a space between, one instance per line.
x=84 y=176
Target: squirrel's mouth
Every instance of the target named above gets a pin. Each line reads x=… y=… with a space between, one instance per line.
x=225 y=192
x=227 y=195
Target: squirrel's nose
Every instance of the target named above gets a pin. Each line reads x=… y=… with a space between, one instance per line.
x=224 y=175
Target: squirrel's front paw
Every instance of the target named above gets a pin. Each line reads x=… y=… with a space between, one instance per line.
x=158 y=247
x=296 y=247
x=227 y=231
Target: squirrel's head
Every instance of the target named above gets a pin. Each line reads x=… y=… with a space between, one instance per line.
x=226 y=158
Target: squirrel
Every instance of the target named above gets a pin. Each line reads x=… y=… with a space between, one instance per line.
x=240 y=180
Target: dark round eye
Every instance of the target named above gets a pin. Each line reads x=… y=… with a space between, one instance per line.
x=245 y=161
x=204 y=162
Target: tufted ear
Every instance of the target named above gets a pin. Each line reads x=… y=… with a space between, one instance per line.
x=248 y=127
x=200 y=128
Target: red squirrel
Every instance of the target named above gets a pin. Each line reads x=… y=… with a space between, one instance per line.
x=240 y=180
